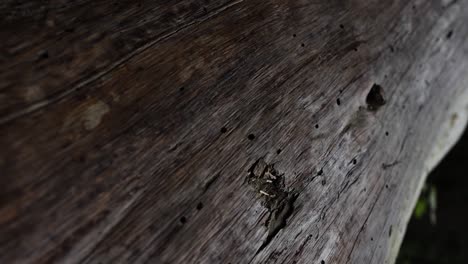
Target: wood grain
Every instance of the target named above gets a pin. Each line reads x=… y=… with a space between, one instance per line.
x=128 y=128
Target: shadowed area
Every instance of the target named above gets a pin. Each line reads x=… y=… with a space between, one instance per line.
x=447 y=240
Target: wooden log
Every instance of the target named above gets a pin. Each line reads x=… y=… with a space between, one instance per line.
x=223 y=131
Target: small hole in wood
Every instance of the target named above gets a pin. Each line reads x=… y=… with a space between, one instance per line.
x=322 y=262
x=294 y=35
x=278 y=151
x=341 y=26
x=320 y=172
x=251 y=136
x=354 y=161
x=386 y=133
x=392 y=49
x=302 y=45
x=338 y=101
x=223 y=130
x=375 y=98
x=316 y=126
x=449 y=34
x=182 y=89
x=386 y=186
x=43 y=55
x=183 y=220
x=199 y=206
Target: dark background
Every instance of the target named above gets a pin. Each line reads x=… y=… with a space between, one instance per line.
x=447 y=240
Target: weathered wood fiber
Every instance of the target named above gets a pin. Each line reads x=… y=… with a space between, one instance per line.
x=132 y=131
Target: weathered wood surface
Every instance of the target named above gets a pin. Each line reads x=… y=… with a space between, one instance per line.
x=128 y=128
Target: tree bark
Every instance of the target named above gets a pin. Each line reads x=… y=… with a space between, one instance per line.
x=223 y=131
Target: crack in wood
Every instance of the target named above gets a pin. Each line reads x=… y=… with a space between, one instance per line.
x=364 y=224
x=210 y=182
x=389 y=165
x=278 y=218
x=302 y=246
x=270 y=188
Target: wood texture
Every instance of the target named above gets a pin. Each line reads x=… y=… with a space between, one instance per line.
x=128 y=128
